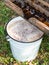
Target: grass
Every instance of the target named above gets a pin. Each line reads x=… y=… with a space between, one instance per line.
x=6 y=57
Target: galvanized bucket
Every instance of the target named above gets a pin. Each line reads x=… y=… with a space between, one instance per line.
x=23 y=51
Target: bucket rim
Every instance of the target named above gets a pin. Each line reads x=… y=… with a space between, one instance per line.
x=18 y=40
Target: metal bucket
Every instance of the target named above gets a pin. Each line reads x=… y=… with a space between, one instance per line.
x=24 y=51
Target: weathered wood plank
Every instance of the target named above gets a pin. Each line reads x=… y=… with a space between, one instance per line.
x=40 y=25
x=43 y=2
x=14 y=7
x=12 y=0
x=38 y=7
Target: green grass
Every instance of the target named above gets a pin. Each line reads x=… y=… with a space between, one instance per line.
x=6 y=57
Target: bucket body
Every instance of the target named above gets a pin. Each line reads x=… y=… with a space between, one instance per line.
x=24 y=51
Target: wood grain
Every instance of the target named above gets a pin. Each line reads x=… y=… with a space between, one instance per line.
x=14 y=7
x=43 y=2
x=38 y=7
x=40 y=25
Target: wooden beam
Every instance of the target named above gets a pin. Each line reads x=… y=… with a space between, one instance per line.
x=14 y=7
x=37 y=7
x=43 y=2
x=40 y=25
x=12 y=0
